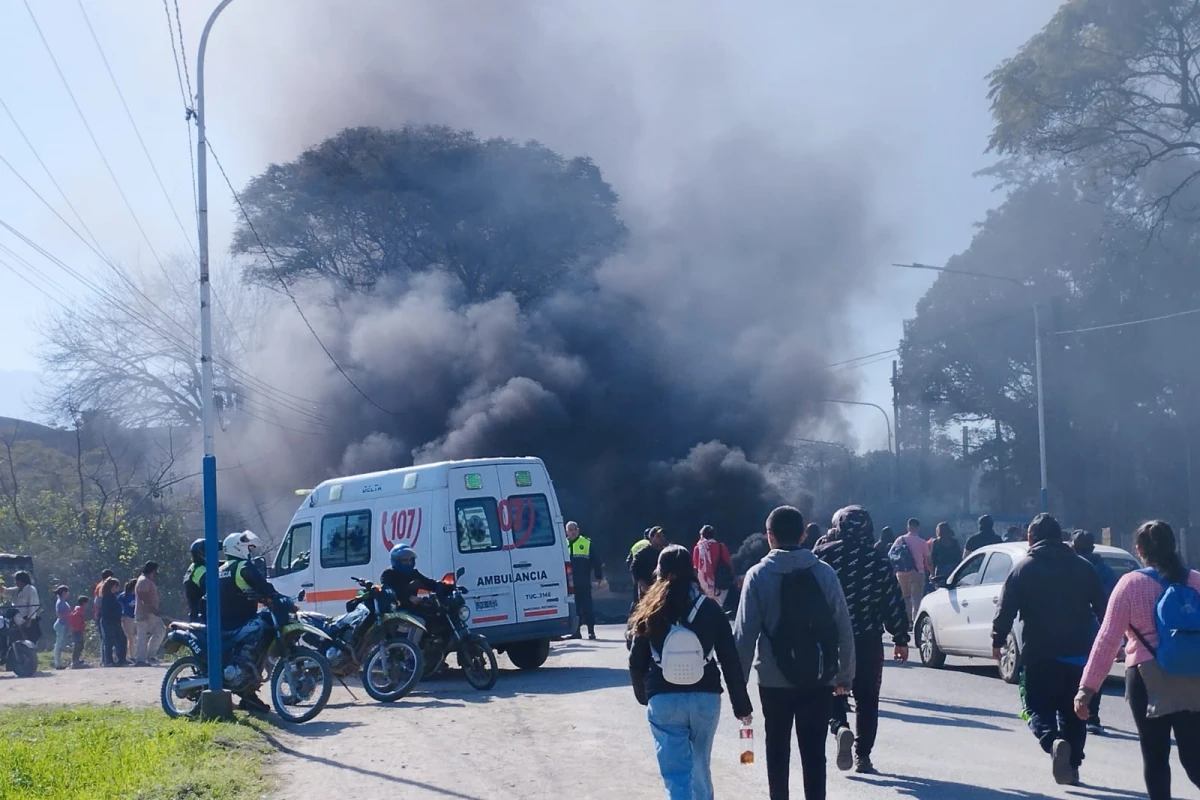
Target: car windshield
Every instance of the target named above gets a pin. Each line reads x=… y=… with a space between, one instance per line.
x=1120 y=564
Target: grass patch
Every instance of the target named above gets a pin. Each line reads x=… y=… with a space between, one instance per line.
x=84 y=752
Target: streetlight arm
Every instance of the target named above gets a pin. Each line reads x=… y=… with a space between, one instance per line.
x=932 y=268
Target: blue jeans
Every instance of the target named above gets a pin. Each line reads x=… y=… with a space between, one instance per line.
x=61 y=637
x=684 y=724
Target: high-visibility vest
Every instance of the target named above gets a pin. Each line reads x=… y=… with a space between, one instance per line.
x=639 y=546
x=195 y=574
x=581 y=547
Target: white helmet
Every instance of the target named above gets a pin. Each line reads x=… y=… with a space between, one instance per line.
x=241 y=545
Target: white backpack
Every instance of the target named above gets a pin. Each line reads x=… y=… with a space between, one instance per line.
x=683 y=659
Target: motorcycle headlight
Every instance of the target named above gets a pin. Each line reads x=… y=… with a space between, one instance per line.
x=464 y=613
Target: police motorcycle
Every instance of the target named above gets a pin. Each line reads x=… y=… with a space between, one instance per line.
x=17 y=654
x=445 y=631
x=370 y=637
x=300 y=677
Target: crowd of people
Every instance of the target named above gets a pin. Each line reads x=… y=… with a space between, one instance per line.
x=810 y=618
x=128 y=620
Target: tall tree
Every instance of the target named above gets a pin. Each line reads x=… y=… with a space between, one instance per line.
x=369 y=204
x=1110 y=83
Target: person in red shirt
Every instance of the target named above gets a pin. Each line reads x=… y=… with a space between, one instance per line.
x=77 y=623
x=713 y=564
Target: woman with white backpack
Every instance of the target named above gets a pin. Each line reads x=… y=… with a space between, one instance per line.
x=1158 y=609
x=679 y=636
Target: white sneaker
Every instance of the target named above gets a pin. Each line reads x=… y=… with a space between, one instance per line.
x=845 y=749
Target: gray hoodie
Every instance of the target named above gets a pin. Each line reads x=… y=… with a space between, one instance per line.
x=759 y=609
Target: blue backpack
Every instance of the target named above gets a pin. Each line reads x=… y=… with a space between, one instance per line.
x=1177 y=622
x=901 y=557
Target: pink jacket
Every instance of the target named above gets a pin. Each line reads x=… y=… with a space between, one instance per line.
x=1130 y=606
x=920 y=551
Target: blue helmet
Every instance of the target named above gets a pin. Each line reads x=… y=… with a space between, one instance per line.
x=404 y=558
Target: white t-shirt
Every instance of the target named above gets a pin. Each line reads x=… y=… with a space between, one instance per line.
x=27 y=603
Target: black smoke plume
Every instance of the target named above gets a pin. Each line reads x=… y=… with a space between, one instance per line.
x=660 y=386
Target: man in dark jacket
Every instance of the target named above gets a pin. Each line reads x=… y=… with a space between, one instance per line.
x=645 y=561
x=1060 y=599
x=983 y=537
x=875 y=603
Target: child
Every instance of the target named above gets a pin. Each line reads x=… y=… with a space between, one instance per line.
x=128 y=601
x=62 y=610
x=77 y=622
x=110 y=622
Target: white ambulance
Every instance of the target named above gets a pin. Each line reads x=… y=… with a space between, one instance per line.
x=496 y=518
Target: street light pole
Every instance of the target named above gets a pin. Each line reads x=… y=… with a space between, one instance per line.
x=1044 y=500
x=215 y=702
x=891 y=450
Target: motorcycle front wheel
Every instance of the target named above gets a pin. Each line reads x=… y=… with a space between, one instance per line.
x=404 y=669
x=183 y=702
x=478 y=662
x=23 y=660
x=300 y=685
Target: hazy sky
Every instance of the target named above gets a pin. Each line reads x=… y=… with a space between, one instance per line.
x=899 y=87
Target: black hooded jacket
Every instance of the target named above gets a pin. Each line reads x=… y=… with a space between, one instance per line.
x=872 y=592
x=1060 y=598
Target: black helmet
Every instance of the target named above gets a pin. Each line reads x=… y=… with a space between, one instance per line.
x=197 y=548
x=853 y=522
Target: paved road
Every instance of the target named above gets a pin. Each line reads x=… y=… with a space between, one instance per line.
x=573 y=730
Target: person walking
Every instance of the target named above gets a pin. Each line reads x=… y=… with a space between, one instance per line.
x=645 y=560
x=945 y=553
x=128 y=600
x=812 y=536
x=1084 y=545
x=1133 y=613
x=110 y=622
x=95 y=608
x=62 y=631
x=148 y=616
x=985 y=536
x=680 y=685
x=875 y=603
x=77 y=622
x=793 y=613
x=714 y=565
x=1059 y=598
x=1014 y=534
x=886 y=537
x=584 y=565
x=909 y=555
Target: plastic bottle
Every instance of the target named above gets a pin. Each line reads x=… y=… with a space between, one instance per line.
x=746 y=736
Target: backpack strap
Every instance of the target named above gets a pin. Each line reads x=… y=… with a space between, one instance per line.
x=1145 y=644
x=695 y=608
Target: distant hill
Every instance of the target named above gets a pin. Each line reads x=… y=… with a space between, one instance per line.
x=20 y=429
x=18 y=393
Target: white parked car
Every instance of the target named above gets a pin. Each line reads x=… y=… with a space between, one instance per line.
x=956 y=619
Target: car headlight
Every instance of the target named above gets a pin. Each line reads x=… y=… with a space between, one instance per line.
x=464 y=613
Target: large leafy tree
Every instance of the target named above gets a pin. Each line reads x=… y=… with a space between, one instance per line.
x=1120 y=409
x=1114 y=84
x=369 y=204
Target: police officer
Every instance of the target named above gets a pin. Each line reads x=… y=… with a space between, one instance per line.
x=584 y=565
x=243 y=586
x=193 y=583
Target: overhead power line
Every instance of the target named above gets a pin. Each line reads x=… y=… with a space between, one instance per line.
x=137 y=131
x=286 y=289
x=1129 y=323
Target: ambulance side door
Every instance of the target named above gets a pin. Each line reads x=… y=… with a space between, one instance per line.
x=474 y=499
x=292 y=570
x=345 y=551
x=531 y=518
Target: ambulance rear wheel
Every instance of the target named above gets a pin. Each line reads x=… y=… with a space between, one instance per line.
x=528 y=655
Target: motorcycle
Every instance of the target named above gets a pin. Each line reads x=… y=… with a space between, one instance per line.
x=20 y=655
x=370 y=637
x=300 y=677
x=445 y=630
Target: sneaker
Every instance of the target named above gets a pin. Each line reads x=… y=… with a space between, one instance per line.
x=1060 y=763
x=61 y=666
x=863 y=766
x=140 y=664
x=845 y=749
x=575 y=635
x=1094 y=727
x=591 y=637
x=253 y=703
x=1074 y=777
